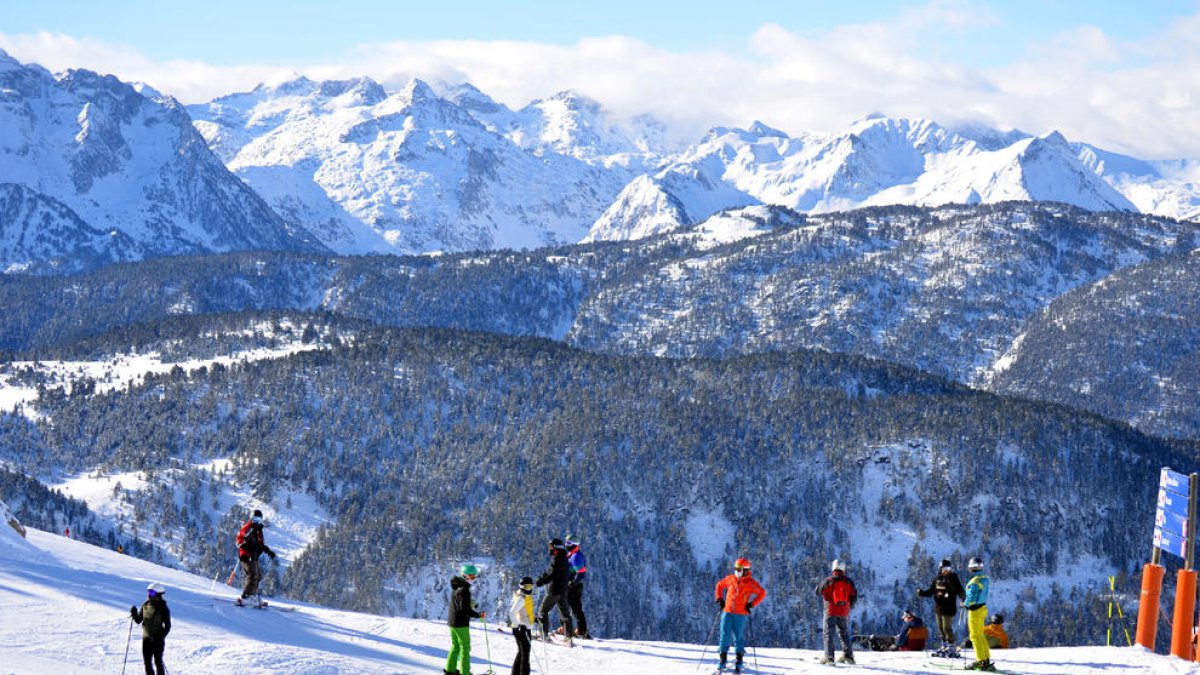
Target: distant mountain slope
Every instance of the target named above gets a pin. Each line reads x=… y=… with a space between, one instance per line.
x=410 y=172
x=791 y=458
x=97 y=172
x=947 y=290
x=1125 y=347
x=878 y=161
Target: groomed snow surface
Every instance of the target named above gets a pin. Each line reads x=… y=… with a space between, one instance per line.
x=66 y=610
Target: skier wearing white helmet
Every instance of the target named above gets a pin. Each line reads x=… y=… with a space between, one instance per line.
x=155 y=618
x=840 y=594
x=976 y=605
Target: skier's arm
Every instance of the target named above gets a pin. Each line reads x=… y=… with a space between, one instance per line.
x=166 y=620
x=135 y=614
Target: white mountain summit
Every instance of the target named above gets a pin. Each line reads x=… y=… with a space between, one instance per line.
x=92 y=171
x=409 y=172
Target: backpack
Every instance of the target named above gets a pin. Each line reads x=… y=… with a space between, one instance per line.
x=152 y=619
x=840 y=593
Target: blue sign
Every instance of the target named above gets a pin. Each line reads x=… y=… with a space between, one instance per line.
x=1173 y=481
x=1170 y=542
x=1170 y=522
x=1172 y=503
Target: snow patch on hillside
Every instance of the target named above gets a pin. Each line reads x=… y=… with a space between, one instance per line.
x=709 y=533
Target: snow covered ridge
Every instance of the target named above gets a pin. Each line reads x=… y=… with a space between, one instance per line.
x=330 y=155
x=79 y=596
x=94 y=172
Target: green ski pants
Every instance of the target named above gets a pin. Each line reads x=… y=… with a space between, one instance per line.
x=459 y=659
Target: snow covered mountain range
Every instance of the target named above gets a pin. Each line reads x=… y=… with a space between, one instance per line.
x=562 y=168
x=414 y=172
x=93 y=170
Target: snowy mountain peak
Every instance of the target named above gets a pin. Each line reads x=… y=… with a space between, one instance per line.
x=470 y=98
x=761 y=130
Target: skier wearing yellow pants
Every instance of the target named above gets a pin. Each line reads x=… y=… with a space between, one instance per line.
x=976 y=605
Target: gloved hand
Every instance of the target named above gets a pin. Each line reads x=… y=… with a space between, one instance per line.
x=720 y=602
x=749 y=607
x=132 y=612
x=271 y=554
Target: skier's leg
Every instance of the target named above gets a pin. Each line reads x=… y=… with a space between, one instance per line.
x=544 y=614
x=843 y=626
x=160 y=643
x=726 y=638
x=946 y=627
x=148 y=654
x=975 y=619
x=452 y=657
x=575 y=599
x=739 y=633
x=829 y=628
x=564 y=610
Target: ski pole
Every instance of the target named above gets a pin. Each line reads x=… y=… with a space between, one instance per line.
x=750 y=639
x=127 y=641
x=708 y=639
x=488 y=646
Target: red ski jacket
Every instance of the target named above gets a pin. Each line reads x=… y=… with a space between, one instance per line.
x=740 y=593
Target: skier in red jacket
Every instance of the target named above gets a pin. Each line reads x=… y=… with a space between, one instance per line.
x=250 y=546
x=840 y=595
x=736 y=595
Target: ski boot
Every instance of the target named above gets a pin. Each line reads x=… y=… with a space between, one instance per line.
x=983 y=665
x=721 y=663
x=239 y=602
x=847 y=658
x=827 y=661
x=737 y=664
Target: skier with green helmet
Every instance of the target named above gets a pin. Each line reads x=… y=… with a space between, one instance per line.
x=462 y=610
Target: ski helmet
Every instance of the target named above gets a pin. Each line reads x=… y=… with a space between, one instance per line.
x=527 y=585
x=997 y=619
x=975 y=564
x=837 y=566
x=741 y=564
x=156 y=588
x=257 y=517
x=945 y=566
x=469 y=570
x=556 y=543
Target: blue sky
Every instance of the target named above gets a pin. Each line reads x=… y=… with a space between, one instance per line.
x=1117 y=74
x=304 y=32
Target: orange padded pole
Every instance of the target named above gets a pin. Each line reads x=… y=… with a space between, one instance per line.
x=1147 y=623
x=1185 y=614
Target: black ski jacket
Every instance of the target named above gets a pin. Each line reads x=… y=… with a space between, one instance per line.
x=462 y=610
x=154 y=616
x=947 y=591
x=558 y=575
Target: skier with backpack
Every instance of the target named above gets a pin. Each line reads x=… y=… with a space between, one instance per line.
x=579 y=570
x=155 y=618
x=737 y=594
x=557 y=576
x=947 y=591
x=462 y=610
x=520 y=615
x=976 y=605
x=840 y=594
x=251 y=546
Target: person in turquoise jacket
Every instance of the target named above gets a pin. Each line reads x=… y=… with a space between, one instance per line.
x=976 y=606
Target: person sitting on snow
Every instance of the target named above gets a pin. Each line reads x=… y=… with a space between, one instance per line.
x=912 y=637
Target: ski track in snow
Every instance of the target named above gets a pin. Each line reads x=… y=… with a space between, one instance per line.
x=66 y=611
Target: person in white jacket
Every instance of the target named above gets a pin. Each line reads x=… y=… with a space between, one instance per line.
x=520 y=614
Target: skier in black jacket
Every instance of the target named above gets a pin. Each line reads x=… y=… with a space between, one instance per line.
x=947 y=591
x=558 y=577
x=155 y=618
x=462 y=610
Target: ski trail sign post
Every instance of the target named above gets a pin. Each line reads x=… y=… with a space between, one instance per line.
x=1175 y=533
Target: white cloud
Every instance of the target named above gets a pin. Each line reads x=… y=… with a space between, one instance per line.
x=1141 y=98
